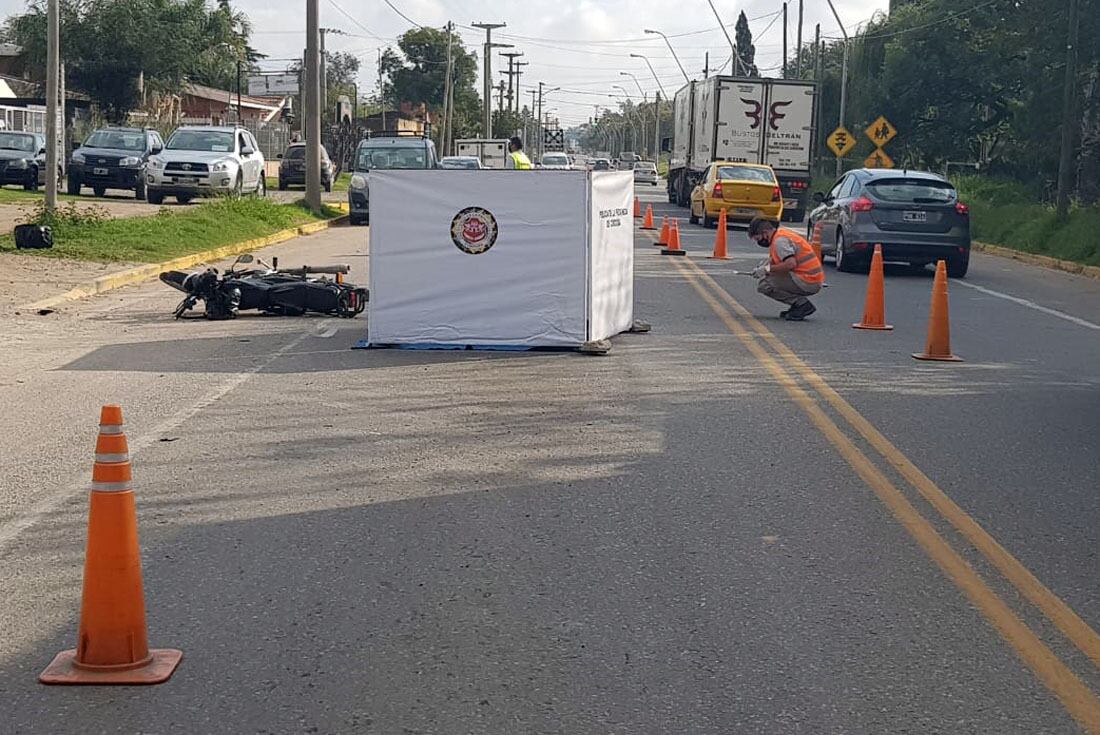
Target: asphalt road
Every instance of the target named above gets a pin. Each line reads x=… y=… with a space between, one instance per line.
x=732 y=524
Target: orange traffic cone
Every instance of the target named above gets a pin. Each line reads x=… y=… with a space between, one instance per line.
x=637 y=207
x=112 y=647
x=662 y=239
x=720 y=238
x=874 y=306
x=647 y=223
x=938 y=346
x=815 y=242
x=674 y=240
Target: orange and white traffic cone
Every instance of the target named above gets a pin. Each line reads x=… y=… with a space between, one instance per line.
x=720 y=238
x=637 y=207
x=874 y=305
x=674 y=240
x=662 y=239
x=112 y=646
x=938 y=344
x=815 y=242
x=647 y=223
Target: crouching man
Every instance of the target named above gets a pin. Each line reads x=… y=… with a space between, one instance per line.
x=792 y=273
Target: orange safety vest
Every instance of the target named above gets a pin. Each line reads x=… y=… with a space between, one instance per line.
x=807 y=264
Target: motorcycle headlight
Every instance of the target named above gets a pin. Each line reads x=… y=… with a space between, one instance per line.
x=128 y=161
x=18 y=163
x=221 y=166
x=155 y=162
x=78 y=158
x=359 y=181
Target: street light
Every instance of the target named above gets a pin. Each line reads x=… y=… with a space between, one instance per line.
x=655 y=78
x=672 y=50
x=733 y=46
x=640 y=90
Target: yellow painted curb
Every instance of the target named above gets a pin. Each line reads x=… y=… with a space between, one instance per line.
x=141 y=273
x=1043 y=261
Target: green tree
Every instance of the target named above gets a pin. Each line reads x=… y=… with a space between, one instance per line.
x=417 y=72
x=745 y=50
x=110 y=44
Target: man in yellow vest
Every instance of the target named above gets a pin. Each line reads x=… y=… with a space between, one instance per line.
x=517 y=159
x=792 y=272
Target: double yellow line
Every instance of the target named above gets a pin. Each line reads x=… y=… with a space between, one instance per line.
x=811 y=395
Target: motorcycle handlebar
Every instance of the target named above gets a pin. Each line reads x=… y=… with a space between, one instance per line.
x=326 y=269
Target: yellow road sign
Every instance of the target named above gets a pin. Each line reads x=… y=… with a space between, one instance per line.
x=841 y=142
x=879 y=159
x=881 y=132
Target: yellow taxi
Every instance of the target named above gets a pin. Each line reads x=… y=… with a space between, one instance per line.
x=744 y=190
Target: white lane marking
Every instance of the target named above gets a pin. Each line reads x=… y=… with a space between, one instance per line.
x=327 y=328
x=1029 y=304
x=48 y=503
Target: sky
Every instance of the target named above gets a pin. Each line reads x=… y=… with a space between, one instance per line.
x=581 y=46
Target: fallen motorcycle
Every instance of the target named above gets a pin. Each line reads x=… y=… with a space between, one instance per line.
x=288 y=292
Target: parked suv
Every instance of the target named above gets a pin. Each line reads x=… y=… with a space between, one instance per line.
x=23 y=159
x=292 y=169
x=385 y=152
x=916 y=217
x=206 y=161
x=113 y=158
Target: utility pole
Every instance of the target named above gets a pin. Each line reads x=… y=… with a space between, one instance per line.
x=239 y=117
x=529 y=143
x=1069 y=116
x=53 y=68
x=312 y=109
x=539 y=132
x=657 y=127
x=511 y=56
x=817 y=78
x=445 y=141
x=381 y=90
x=706 y=65
x=798 y=46
x=324 y=77
x=784 y=40
x=487 y=85
x=519 y=73
x=844 y=77
x=500 y=97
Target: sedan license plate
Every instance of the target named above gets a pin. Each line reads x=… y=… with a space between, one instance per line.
x=790 y=203
x=100 y=171
x=914 y=216
x=745 y=210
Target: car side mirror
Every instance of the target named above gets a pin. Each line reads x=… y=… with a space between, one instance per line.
x=42 y=152
x=76 y=145
x=247 y=150
x=157 y=149
x=818 y=197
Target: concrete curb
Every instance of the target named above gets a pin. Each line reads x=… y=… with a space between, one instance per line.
x=129 y=277
x=1043 y=261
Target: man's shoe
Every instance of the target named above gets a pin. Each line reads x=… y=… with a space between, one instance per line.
x=783 y=314
x=799 y=313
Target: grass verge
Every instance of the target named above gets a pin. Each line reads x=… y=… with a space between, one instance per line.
x=170 y=233
x=1005 y=214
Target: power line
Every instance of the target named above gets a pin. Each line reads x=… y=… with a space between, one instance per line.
x=949 y=17
x=356 y=21
x=396 y=10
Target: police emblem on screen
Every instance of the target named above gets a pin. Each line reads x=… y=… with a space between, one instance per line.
x=474 y=230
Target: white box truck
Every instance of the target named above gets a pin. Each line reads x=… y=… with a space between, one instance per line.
x=752 y=120
x=492 y=153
